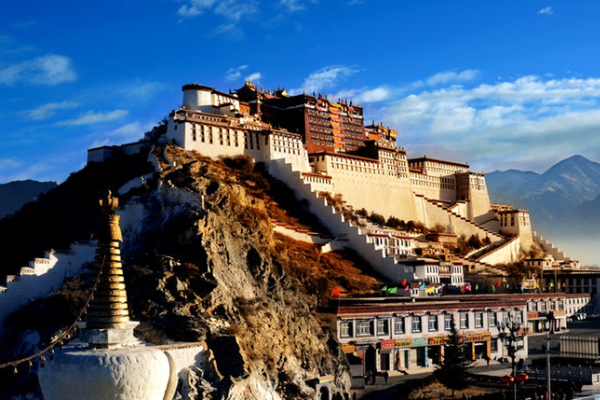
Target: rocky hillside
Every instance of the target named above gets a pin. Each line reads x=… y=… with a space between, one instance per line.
x=203 y=264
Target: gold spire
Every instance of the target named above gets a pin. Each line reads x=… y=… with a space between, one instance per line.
x=108 y=309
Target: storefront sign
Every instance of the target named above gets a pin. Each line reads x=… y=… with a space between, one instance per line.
x=559 y=314
x=478 y=337
x=348 y=348
x=402 y=343
x=532 y=314
x=387 y=345
x=417 y=342
x=529 y=284
x=437 y=341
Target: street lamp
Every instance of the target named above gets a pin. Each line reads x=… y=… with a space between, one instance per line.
x=509 y=332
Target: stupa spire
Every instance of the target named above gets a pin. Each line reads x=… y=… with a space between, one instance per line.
x=108 y=309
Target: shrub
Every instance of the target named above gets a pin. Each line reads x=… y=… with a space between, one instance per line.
x=243 y=163
x=377 y=218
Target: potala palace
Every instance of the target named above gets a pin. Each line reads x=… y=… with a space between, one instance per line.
x=318 y=145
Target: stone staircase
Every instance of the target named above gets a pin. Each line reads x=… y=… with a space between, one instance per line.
x=548 y=247
x=301 y=234
x=478 y=267
x=460 y=224
x=342 y=230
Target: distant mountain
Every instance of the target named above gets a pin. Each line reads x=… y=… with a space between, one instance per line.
x=504 y=186
x=14 y=195
x=559 y=199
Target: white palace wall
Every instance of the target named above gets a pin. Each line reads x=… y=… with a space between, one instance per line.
x=43 y=276
x=368 y=184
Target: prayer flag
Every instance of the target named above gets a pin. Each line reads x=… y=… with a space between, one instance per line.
x=476 y=286
x=499 y=282
x=493 y=289
x=430 y=289
x=403 y=282
x=552 y=284
x=422 y=287
x=564 y=285
x=406 y=288
x=393 y=290
x=468 y=287
x=384 y=289
x=336 y=292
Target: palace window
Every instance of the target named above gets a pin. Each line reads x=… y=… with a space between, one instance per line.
x=383 y=327
x=346 y=329
x=464 y=320
x=433 y=323
x=494 y=345
x=492 y=319
x=399 y=327
x=364 y=327
x=518 y=316
x=478 y=320
x=416 y=323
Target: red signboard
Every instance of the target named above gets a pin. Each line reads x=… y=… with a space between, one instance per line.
x=387 y=345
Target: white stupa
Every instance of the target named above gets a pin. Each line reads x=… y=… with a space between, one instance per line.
x=107 y=361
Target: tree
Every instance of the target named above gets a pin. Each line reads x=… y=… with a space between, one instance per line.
x=474 y=242
x=452 y=370
x=377 y=218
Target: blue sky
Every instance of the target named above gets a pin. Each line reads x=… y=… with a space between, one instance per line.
x=497 y=84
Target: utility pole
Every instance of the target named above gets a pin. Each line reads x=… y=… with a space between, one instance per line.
x=548 y=374
x=510 y=331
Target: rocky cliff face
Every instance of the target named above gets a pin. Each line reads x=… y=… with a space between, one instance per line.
x=228 y=284
x=203 y=264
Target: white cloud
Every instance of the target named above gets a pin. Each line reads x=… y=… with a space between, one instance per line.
x=546 y=11
x=295 y=5
x=46 y=70
x=139 y=90
x=91 y=118
x=235 y=73
x=363 y=96
x=451 y=76
x=231 y=9
x=324 y=78
x=254 y=77
x=6 y=163
x=530 y=122
x=127 y=133
x=24 y=24
x=46 y=111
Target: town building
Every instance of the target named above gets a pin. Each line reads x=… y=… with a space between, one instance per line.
x=397 y=334
x=391 y=242
x=409 y=336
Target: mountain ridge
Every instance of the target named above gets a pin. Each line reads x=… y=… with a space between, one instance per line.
x=563 y=199
x=13 y=195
